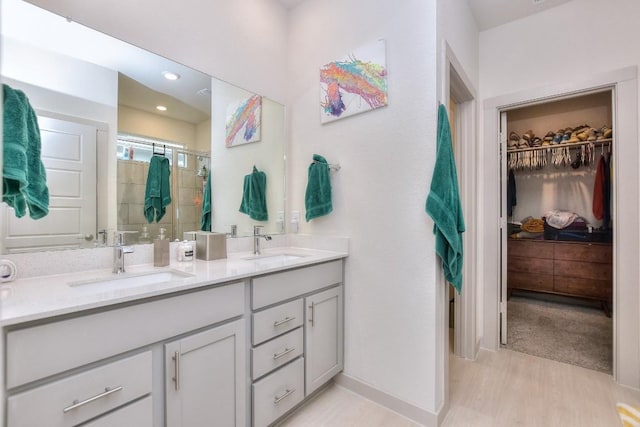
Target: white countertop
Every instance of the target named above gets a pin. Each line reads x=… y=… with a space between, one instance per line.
x=40 y=297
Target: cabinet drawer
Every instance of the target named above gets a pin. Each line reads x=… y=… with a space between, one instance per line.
x=277 y=393
x=530 y=249
x=273 y=288
x=533 y=282
x=137 y=414
x=584 y=252
x=40 y=351
x=127 y=379
x=582 y=270
x=277 y=320
x=529 y=265
x=275 y=353
x=601 y=289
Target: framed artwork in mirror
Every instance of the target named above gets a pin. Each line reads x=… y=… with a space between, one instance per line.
x=244 y=121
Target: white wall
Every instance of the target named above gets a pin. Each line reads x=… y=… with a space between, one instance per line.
x=143 y=123
x=217 y=37
x=387 y=159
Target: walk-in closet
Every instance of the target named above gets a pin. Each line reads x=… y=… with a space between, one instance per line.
x=559 y=186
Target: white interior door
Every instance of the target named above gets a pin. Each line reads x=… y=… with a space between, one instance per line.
x=69 y=157
x=503 y=227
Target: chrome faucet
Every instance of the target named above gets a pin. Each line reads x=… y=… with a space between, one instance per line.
x=256 y=238
x=119 y=250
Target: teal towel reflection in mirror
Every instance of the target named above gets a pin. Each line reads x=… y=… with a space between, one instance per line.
x=205 y=221
x=157 y=195
x=254 y=196
x=24 y=176
x=317 y=198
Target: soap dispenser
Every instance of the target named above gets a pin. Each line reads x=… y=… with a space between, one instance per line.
x=161 y=256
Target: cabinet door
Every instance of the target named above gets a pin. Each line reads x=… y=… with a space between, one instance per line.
x=324 y=330
x=205 y=378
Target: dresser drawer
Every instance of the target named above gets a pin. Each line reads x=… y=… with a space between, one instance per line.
x=584 y=252
x=273 y=288
x=275 y=353
x=582 y=270
x=83 y=396
x=277 y=320
x=529 y=281
x=40 y=351
x=529 y=265
x=277 y=393
x=601 y=289
x=530 y=248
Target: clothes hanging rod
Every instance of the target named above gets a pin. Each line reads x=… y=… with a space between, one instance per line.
x=564 y=145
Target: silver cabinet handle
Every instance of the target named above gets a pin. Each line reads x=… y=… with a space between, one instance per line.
x=283 y=321
x=107 y=392
x=286 y=393
x=313 y=313
x=286 y=351
x=176 y=369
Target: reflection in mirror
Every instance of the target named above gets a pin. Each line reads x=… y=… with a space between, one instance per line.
x=98 y=96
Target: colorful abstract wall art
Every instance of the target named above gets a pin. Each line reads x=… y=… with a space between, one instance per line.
x=243 y=121
x=355 y=84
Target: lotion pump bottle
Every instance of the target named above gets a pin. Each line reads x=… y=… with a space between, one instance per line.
x=161 y=255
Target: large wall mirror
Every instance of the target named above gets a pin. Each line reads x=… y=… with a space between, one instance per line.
x=97 y=102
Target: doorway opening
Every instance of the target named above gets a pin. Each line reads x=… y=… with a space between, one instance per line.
x=557 y=231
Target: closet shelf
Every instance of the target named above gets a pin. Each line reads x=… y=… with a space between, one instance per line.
x=565 y=145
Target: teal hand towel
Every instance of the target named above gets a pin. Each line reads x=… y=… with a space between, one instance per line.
x=317 y=198
x=443 y=205
x=205 y=221
x=254 y=196
x=24 y=183
x=157 y=195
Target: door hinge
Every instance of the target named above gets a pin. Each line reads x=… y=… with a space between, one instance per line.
x=503 y=306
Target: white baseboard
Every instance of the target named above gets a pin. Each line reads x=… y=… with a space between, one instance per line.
x=418 y=415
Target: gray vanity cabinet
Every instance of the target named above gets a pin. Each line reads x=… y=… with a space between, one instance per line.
x=297 y=324
x=205 y=378
x=324 y=344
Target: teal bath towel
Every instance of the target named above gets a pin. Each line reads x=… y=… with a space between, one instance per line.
x=157 y=195
x=443 y=205
x=205 y=221
x=24 y=184
x=254 y=196
x=317 y=198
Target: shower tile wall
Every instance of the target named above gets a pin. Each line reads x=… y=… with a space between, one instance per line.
x=186 y=190
x=132 y=178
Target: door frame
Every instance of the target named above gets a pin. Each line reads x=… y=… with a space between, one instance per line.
x=626 y=202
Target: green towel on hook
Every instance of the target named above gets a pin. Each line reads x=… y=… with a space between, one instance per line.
x=157 y=195
x=24 y=184
x=443 y=205
x=254 y=196
x=317 y=198
x=205 y=221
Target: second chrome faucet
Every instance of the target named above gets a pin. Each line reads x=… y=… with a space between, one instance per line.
x=256 y=238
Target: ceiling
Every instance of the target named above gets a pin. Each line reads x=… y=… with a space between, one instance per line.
x=493 y=13
x=489 y=13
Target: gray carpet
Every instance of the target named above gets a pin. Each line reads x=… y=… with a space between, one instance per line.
x=574 y=334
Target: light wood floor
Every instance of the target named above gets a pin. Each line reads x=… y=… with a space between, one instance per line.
x=500 y=389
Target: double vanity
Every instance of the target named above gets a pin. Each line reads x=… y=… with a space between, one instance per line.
x=239 y=341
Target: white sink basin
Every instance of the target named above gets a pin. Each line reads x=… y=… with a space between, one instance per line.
x=262 y=260
x=128 y=280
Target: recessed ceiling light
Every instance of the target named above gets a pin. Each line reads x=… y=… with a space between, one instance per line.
x=169 y=75
x=161 y=108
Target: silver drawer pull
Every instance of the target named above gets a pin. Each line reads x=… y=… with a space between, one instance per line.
x=176 y=369
x=107 y=392
x=286 y=351
x=283 y=321
x=287 y=392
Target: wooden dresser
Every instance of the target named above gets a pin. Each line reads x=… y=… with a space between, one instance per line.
x=581 y=269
